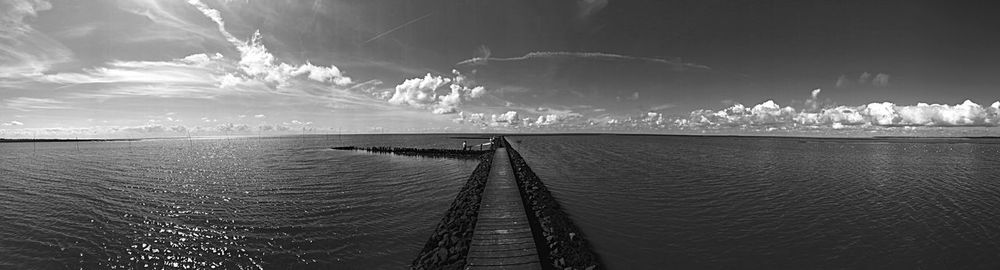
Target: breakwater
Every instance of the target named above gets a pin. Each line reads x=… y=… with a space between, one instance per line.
x=560 y=243
x=406 y=151
x=448 y=246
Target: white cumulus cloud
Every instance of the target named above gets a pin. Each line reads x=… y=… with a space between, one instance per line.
x=430 y=92
x=508 y=118
x=885 y=114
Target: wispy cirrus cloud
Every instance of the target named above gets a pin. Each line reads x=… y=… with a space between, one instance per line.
x=34 y=104
x=256 y=62
x=169 y=23
x=675 y=63
x=23 y=49
x=12 y=123
x=140 y=72
x=202 y=75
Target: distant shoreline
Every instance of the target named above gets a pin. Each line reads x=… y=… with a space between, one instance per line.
x=65 y=140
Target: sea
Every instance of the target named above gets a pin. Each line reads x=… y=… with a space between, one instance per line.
x=642 y=201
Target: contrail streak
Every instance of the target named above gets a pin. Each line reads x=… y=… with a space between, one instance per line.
x=397 y=28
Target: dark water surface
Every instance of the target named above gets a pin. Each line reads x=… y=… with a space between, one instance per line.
x=656 y=202
x=645 y=202
x=248 y=203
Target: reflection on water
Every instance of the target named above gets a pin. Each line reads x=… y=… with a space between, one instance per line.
x=650 y=202
x=645 y=202
x=246 y=203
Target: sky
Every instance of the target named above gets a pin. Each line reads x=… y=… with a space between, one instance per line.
x=164 y=68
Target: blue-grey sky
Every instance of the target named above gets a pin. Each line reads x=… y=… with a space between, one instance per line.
x=110 y=68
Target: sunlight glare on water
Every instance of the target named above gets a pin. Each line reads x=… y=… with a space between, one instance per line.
x=237 y=203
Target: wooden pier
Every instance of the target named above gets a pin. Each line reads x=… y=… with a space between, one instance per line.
x=502 y=238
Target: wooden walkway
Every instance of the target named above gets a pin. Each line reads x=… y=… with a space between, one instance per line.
x=502 y=238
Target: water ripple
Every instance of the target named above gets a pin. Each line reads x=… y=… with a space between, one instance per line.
x=243 y=203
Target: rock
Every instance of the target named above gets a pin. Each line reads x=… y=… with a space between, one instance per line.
x=592 y=267
x=571 y=235
x=442 y=255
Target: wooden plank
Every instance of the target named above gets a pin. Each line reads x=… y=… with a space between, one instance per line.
x=502 y=238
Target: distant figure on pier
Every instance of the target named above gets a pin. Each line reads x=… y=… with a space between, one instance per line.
x=465 y=146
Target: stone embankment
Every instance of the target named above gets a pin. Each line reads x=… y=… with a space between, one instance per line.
x=405 y=151
x=448 y=246
x=560 y=244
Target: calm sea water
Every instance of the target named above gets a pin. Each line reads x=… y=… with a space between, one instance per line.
x=654 y=202
x=645 y=202
x=250 y=203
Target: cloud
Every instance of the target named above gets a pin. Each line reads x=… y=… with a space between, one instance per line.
x=268 y=128
x=881 y=80
x=149 y=130
x=299 y=123
x=257 y=63
x=423 y=93
x=178 y=71
x=508 y=118
x=14 y=11
x=146 y=129
x=677 y=64
x=477 y=92
x=661 y=107
x=229 y=80
x=812 y=103
x=865 y=79
x=842 y=81
x=189 y=77
x=33 y=104
x=230 y=127
x=24 y=50
x=587 y=8
x=583 y=78
x=553 y=119
x=884 y=114
x=418 y=92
